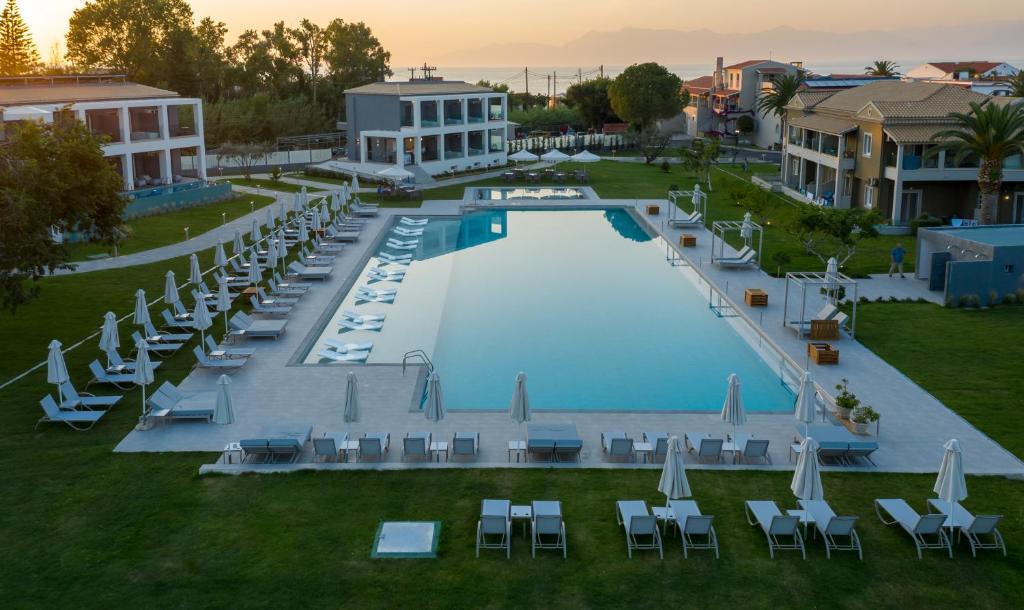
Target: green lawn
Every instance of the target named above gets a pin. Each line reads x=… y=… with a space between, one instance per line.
x=968 y=359
x=620 y=180
x=151 y=232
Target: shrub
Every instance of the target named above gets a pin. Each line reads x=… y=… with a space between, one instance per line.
x=1009 y=299
x=924 y=220
x=993 y=297
x=276 y=173
x=745 y=124
x=970 y=300
x=665 y=167
x=864 y=415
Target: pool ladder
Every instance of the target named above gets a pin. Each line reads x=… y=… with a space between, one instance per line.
x=417 y=355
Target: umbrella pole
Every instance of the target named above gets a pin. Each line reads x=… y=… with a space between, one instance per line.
x=142 y=419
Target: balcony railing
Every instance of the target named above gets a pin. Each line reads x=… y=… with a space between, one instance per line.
x=453 y=120
x=452 y=154
x=476 y=119
x=496 y=116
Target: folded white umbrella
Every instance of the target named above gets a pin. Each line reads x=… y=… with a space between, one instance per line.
x=255 y=235
x=335 y=201
x=255 y=273
x=224 y=410
x=806 y=483
x=271 y=254
x=238 y=246
x=296 y=203
x=303 y=231
x=141 y=308
x=219 y=257
x=585 y=156
x=951 y=485
x=747 y=228
x=732 y=409
x=170 y=289
x=282 y=249
x=195 y=274
x=519 y=408
x=201 y=319
x=345 y=193
x=317 y=225
x=695 y=199
x=355 y=183
x=325 y=212
x=806 y=402
x=351 y=398
x=434 y=409
x=304 y=197
x=832 y=277
x=56 y=370
x=270 y=218
x=523 y=156
x=223 y=300
x=282 y=212
x=109 y=339
x=143 y=371
x=673 y=482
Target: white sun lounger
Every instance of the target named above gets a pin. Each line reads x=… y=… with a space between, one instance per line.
x=637 y=521
x=926 y=530
x=226 y=364
x=379 y=275
x=832 y=527
x=395 y=258
x=414 y=222
x=744 y=257
x=363 y=317
x=309 y=273
x=407 y=232
x=688 y=220
x=971 y=526
x=248 y=327
x=343 y=346
x=79 y=420
x=330 y=354
x=495 y=522
x=775 y=525
x=397 y=246
x=349 y=324
x=697 y=530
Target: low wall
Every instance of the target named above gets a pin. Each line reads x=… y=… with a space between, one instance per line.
x=215 y=162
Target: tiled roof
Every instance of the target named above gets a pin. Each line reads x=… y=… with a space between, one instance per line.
x=746 y=64
x=699 y=84
x=903 y=99
x=810 y=99
x=978 y=67
x=726 y=92
x=71 y=93
x=827 y=124
x=447 y=87
x=771 y=70
x=916 y=134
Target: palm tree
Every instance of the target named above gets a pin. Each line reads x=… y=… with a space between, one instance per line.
x=775 y=100
x=882 y=67
x=1017 y=84
x=991 y=133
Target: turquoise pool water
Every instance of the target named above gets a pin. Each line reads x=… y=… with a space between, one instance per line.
x=529 y=192
x=583 y=302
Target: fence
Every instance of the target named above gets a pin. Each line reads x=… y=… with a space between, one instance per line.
x=590 y=141
x=283 y=157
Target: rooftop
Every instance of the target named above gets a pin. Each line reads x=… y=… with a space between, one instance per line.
x=979 y=67
x=699 y=84
x=14 y=92
x=997 y=235
x=420 y=87
x=901 y=99
x=747 y=64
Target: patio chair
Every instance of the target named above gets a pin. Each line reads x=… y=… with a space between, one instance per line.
x=255 y=450
x=225 y=364
x=245 y=325
x=155 y=336
x=77 y=420
x=568 y=449
x=346 y=235
x=618 y=446
x=638 y=523
x=775 y=525
x=416 y=444
x=217 y=351
x=543 y=450
x=171 y=322
x=832 y=451
x=73 y=399
x=165 y=406
x=309 y=273
x=374 y=446
x=973 y=527
x=926 y=530
x=755 y=449
x=310 y=258
x=276 y=299
x=269 y=310
x=359 y=208
x=320 y=245
x=546 y=523
x=326 y=446
x=160 y=348
x=120 y=365
x=495 y=522
x=276 y=290
x=296 y=286
x=744 y=257
x=697 y=530
x=710 y=449
x=285 y=450
x=120 y=381
x=466 y=444
x=659 y=440
x=833 y=528
x=180 y=313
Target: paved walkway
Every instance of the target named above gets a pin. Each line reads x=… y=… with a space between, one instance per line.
x=272 y=393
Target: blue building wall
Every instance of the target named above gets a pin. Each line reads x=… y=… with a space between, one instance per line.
x=985 y=279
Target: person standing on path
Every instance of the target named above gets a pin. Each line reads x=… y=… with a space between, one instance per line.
x=897 y=254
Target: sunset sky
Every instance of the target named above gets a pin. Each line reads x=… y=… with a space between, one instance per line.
x=414 y=30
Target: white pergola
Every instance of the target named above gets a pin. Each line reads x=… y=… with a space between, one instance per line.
x=697 y=198
x=822 y=280
x=720 y=228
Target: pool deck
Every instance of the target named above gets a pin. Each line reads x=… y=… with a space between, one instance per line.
x=272 y=394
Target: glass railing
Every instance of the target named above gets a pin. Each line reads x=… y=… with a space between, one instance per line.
x=496 y=116
x=475 y=152
x=476 y=119
x=453 y=120
x=452 y=154
x=428 y=123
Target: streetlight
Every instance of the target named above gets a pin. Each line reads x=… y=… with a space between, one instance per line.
x=223 y=218
x=186 y=233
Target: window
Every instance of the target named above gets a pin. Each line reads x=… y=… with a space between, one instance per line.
x=869 y=197
x=866 y=145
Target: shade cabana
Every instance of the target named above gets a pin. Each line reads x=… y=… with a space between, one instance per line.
x=721 y=228
x=697 y=198
x=814 y=283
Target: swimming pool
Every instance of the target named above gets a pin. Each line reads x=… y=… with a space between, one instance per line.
x=582 y=301
x=529 y=192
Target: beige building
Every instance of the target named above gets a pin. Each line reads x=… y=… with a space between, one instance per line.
x=870 y=147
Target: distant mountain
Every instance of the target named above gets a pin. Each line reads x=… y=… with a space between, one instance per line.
x=994 y=41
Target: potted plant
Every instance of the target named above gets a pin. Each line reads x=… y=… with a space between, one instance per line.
x=846 y=401
x=862 y=416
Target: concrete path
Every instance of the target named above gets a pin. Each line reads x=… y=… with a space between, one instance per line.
x=273 y=392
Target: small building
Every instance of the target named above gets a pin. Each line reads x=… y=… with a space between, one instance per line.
x=987 y=77
x=433 y=125
x=982 y=262
x=147 y=130
x=872 y=147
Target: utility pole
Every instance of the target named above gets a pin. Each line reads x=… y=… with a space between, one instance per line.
x=412 y=73
x=579 y=75
x=549 y=87
x=526 y=73
x=554 y=89
x=601 y=68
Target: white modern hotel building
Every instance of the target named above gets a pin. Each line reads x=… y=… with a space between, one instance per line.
x=435 y=125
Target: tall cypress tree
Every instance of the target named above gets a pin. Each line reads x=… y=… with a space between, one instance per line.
x=18 y=53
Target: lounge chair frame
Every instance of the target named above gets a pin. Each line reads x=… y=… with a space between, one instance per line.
x=779 y=526
x=926 y=525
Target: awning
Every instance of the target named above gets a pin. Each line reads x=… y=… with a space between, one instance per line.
x=826 y=124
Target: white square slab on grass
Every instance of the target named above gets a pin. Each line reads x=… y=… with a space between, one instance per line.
x=406 y=539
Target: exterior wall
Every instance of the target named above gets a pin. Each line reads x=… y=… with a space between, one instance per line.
x=369 y=112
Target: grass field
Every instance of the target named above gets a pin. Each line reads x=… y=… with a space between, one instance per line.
x=155 y=231
x=622 y=180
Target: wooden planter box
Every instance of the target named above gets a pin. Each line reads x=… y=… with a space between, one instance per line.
x=688 y=240
x=822 y=353
x=824 y=330
x=653 y=210
x=755 y=297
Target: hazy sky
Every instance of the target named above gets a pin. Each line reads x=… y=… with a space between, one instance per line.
x=415 y=30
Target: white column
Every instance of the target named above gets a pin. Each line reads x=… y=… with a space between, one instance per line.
x=126 y=124
x=128 y=171
x=399 y=151
x=465 y=144
x=416 y=114
x=840 y=173
x=362 y=148
x=897 y=190
x=165 y=126
x=197 y=113
x=165 y=166
x=817 y=177
x=801 y=171
x=418 y=147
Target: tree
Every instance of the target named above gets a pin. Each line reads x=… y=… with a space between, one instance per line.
x=211 y=59
x=312 y=42
x=1017 y=84
x=590 y=98
x=18 y=53
x=502 y=88
x=745 y=124
x=753 y=199
x=126 y=35
x=261 y=118
x=778 y=97
x=701 y=158
x=833 y=232
x=246 y=154
x=51 y=176
x=644 y=94
x=991 y=133
x=882 y=67
x=354 y=57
